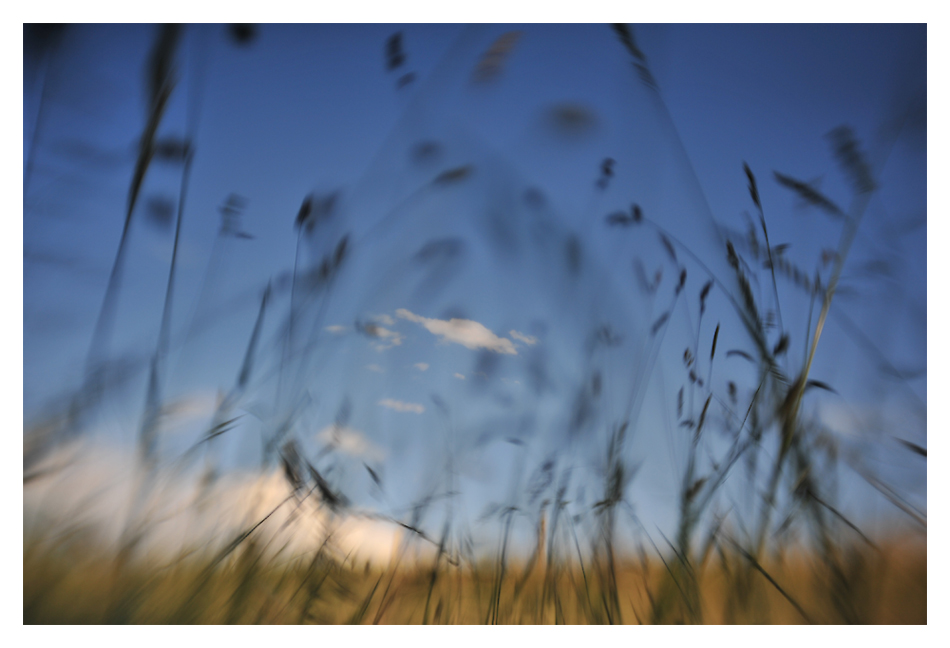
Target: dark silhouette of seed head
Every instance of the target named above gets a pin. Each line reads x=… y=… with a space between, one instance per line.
x=453 y=175
x=682 y=281
x=606 y=172
x=625 y=34
x=242 y=33
x=493 y=61
x=395 y=57
x=809 y=194
x=753 y=189
x=571 y=120
x=637 y=213
x=731 y=256
x=304 y=214
x=851 y=159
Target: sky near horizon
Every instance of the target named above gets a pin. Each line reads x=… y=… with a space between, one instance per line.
x=483 y=297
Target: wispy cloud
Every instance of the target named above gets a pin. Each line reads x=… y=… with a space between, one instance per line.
x=421 y=366
x=387 y=338
x=460 y=376
x=530 y=340
x=468 y=333
x=376 y=368
x=400 y=406
x=350 y=441
x=335 y=328
x=385 y=319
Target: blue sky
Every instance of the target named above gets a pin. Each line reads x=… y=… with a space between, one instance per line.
x=513 y=241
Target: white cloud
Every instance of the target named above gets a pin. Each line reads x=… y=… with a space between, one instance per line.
x=521 y=337
x=421 y=366
x=388 y=339
x=90 y=486
x=460 y=376
x=468 y=333
x=395 y=339
x=400 y=406
x=385 y=319
x=335 y=328
x=376 y=368
x=871 y=421
x=350 y=441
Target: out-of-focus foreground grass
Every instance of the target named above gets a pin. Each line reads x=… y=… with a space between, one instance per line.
x=72 y=583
